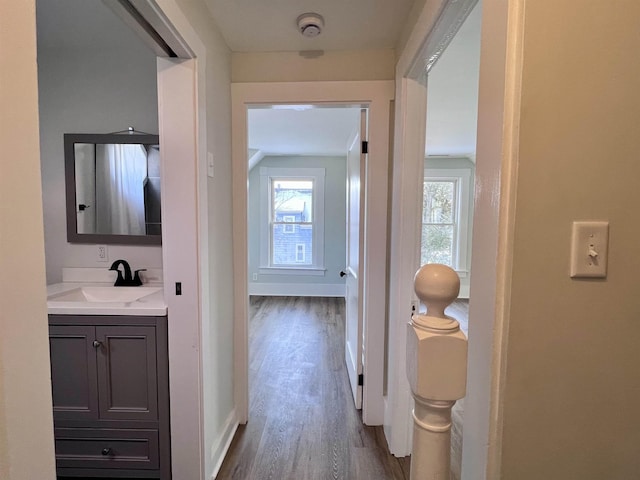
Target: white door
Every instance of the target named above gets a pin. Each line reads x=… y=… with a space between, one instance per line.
x=353 y=288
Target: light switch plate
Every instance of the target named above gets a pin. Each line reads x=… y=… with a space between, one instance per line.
x=589 y=245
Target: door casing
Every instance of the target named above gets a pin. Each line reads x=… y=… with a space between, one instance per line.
x=377 y=95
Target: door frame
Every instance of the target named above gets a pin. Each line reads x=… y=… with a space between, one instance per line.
x=183 y=139
x=496 y=171
x=377 y=95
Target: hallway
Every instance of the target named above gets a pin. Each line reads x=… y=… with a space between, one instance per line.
x=302 y=423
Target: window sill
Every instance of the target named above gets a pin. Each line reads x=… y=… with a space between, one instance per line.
x=317 y=271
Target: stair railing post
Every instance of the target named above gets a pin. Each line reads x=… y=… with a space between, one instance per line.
x=436 y=369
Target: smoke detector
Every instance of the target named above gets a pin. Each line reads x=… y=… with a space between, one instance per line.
x=310 y=24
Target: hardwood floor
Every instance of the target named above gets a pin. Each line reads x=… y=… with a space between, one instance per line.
x=302 y=421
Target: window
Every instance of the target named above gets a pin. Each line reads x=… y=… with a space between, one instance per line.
x=292 y=219
x=445 y=217
x=288 y=225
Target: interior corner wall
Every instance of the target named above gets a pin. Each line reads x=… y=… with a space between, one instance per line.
x=26 y=413
x=572 y=387
x=334 y=229
x=347 y=65
x=90 y=91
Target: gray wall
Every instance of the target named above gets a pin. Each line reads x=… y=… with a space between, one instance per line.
x=334 y=214
x=86 y=89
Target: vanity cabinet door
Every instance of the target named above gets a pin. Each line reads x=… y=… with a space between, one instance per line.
x=127 y=372
x=73 y=372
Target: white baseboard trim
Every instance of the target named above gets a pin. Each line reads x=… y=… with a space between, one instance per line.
x=297 y=289
x=220 y=448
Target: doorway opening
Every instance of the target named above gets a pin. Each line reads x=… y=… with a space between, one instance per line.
x=284 y=189
x=303 y=233
x=449 y=174
x=305 y=342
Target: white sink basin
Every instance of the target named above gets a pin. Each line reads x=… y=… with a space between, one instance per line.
x=104 y=294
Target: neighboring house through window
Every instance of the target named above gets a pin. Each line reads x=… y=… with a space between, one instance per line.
x=292 y=220
x=445 y=217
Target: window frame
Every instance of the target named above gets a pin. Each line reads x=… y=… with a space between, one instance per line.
x=462 y=178
x=317 y=175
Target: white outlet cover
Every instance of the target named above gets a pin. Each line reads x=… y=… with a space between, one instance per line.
x=589 y=249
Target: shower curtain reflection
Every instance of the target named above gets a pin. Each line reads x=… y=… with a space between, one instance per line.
x=121 y=170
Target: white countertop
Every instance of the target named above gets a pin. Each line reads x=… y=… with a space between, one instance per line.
x=150 y=305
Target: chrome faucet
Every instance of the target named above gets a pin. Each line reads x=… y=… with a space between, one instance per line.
x=127 y=280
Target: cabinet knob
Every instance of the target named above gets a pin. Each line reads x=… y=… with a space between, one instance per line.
x=97 y=343
x=106 y=451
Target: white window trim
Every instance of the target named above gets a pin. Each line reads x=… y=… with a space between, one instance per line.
x=317 y=260
x=463 y=177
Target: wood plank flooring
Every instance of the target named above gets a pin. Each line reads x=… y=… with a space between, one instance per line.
x=302 y=421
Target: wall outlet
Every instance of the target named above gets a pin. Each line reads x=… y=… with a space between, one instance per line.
x=102 y=254
x=255 y=277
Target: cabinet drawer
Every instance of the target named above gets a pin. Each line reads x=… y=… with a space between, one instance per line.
x=106 y=448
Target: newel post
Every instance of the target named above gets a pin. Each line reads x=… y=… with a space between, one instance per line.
x=436 y=369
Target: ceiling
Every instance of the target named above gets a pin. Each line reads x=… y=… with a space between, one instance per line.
x=270 y=25
x=451 y=118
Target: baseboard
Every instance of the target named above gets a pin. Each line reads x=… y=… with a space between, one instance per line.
x=221 y=447
x=297 y=289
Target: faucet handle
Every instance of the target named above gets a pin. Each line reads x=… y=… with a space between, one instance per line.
x=137 y=281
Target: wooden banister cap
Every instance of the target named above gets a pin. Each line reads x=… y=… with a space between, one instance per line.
x=437 y=286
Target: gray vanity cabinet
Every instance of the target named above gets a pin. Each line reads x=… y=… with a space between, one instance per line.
x=110 y=396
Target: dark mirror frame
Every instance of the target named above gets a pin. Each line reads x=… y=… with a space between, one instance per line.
x=70 y=139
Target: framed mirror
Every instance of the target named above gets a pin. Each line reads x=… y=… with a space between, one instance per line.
x=113 y=188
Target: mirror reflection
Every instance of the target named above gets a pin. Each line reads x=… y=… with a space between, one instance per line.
x=113 y=182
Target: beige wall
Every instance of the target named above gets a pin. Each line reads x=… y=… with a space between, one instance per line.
x=26 y=425
x=572 y=386
x=294 y=67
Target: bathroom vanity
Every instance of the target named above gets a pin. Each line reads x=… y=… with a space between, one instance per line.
x=110 y=384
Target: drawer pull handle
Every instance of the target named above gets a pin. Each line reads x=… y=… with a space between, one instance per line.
x=106 y=451
x=97 y=343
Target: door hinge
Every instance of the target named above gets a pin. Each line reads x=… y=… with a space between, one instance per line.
x=361 y=379
x=365 y=147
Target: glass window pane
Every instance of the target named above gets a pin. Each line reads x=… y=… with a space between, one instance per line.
x=292 y=248
x=292 y=206
x=437 y=244
x=438 y=202
x=292 y=200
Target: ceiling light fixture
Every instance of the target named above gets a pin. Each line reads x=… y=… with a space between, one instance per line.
x=310 y=24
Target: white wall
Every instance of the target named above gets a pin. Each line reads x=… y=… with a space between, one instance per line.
x=26 y=422
x=572 y=388
x=85 y=89
x=334 y=228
